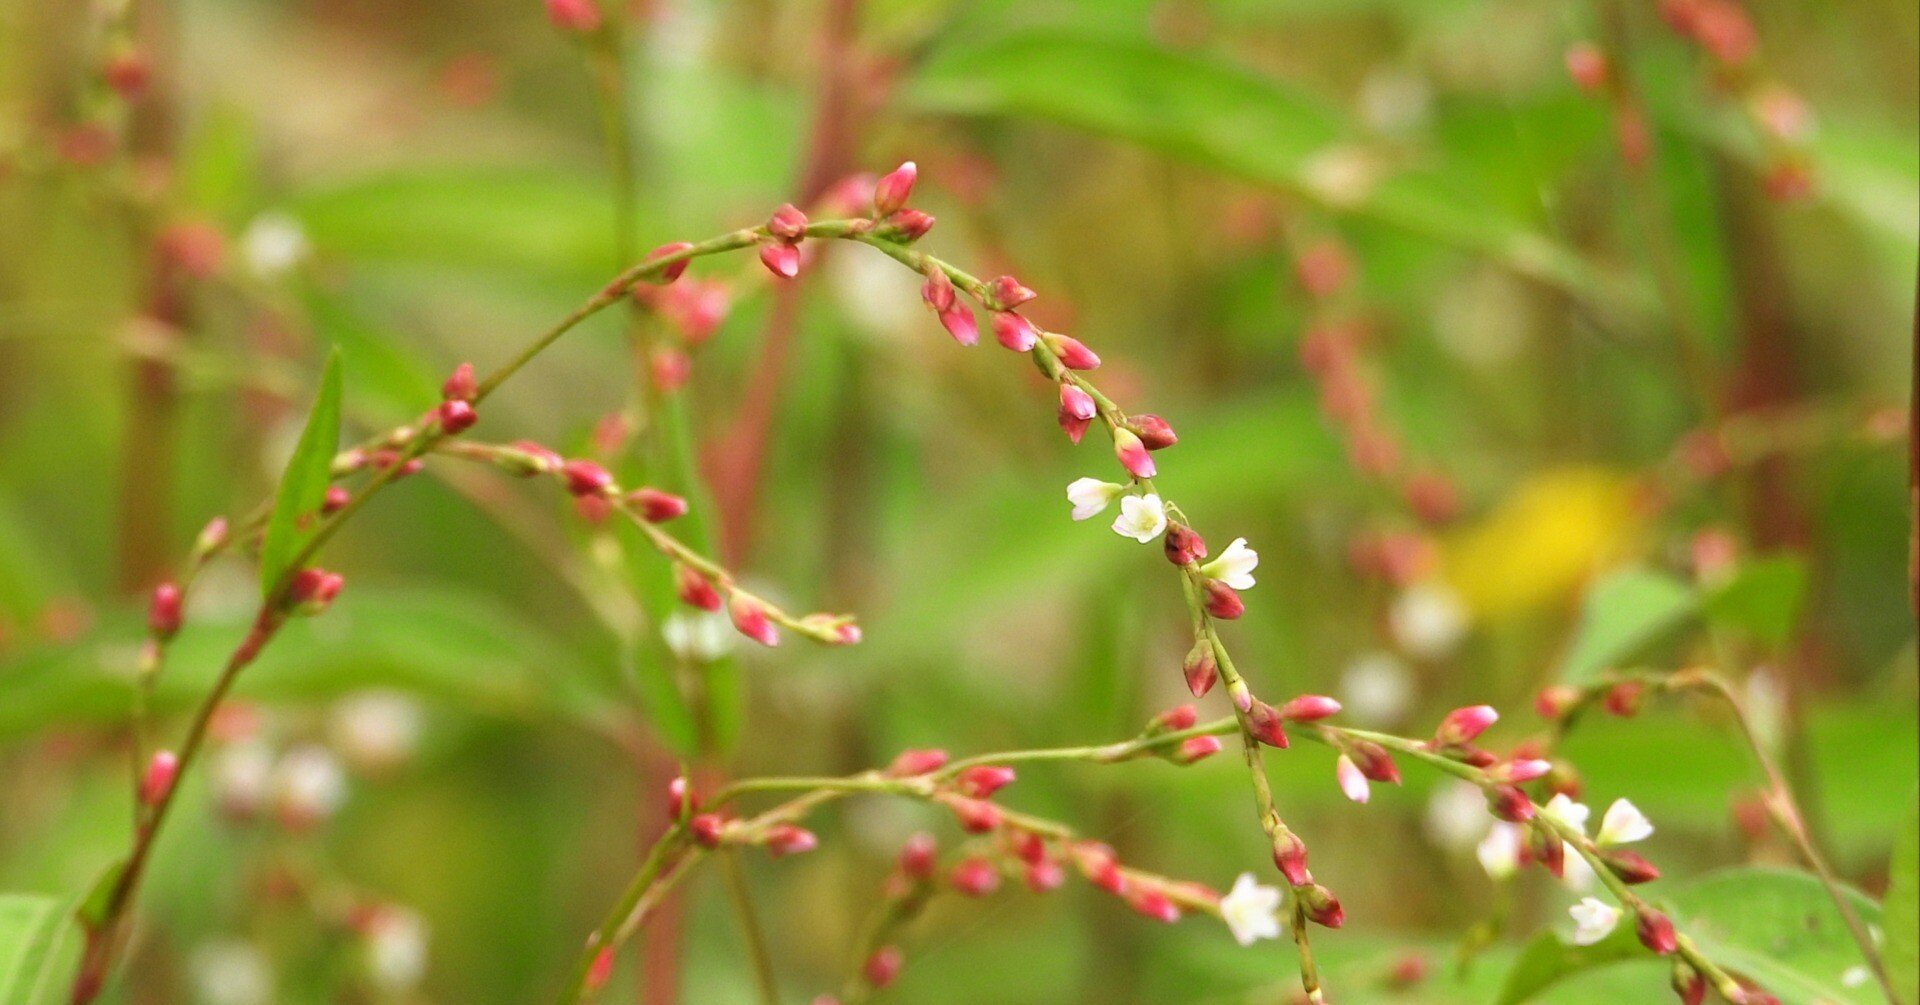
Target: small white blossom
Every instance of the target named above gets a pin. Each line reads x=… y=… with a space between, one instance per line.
x=231 y=973
x=1091 y=496
x=1456 y=814
x=702 y=636
x=1854 y=977
x=1352 y=782
x=242 y=775
x=1251 y=911
x=1141 y=517
x=308 y=784
x=1623 y=824
x=1593 y=920
x=273 y=243
x=1428 y=619
x=1575 y=874
x=1235 y=565
x=397 y=949
x=1376 y=689
x=1499 y=851
x=1568 y=812
x=375 y=729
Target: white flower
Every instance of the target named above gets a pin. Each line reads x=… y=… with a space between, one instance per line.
x=231 y=973
x=1575 y=873
x=1568 y=812
x=397 y=948
x=1853 y=977
x=1376 y=689
x=1428 y=619
x=308 y=784
x=1499 y=851
x=273 y=243
x=1141 y=517
x=1623 y=824
x=1352 y=782
x=1593 y=920
x=1456 y=814
x=1235 y=565
x=1251 y=911
x=702 y=636
x=375 y=729
x=1091 y=496
x=242 y=774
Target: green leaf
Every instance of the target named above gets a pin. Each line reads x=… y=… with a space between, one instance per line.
x=1901 y=948
x=304 y=484
x=39 y=949
x=1624 y=613
x=1762 y=599
x=1547 y=961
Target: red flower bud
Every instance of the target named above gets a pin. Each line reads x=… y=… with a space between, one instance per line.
x=937 y=291
x=1510 y=804
x=1656 y=932
x=670 y=368
x=883 y=966
x=1265 y=724
x=1153 y=431
x=975 y=877
x=1322 y=907
x=783 y=260
x=1183 y=545
x=750 y=617
x=1174 y=719
x=959 y=322
x=1045 y=875
x=1013 y=331
x=1290 y=857
x=585 y=478
x=905 y=226
x=1323 y=269
x=157 y=781
x=917 y=762
x=1006 y=293
x=1132 y=453
x=312 y=589
x=1222 y=601
x=600 y=970
x=675 y=269
x=1463 y=724
x=127 y=72
x=1374 y=762
x=695 y=589
x=1625 y=698
x=1096 y=862
x=655 y=506
x=334 y=500
x=891 y=191
x=1074 y=355
x=787 y=223
x=1309 y=708
x=917 y=856
x=573 y=15
x=976 y=816
x=456 y=416
x=1200 y=668
x=1154 y=904
x=1587 y=65
x=1632 y=868
x=1520 y=770
x=983 y=780
x=164 y=611
x=790 y=839
x=681 y=799
x=1196 y=748
x=1688 y=984
x=1555 y=700
x=707 y=829
x=460 y=385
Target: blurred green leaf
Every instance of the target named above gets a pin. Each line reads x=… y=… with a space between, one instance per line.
x=1762 y=599
x=303 y=486
x=1548 y=959
x=1624 y=613
x=1901 y=949
x=39 y=947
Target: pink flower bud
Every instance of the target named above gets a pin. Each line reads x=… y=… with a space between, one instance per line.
x=212 y=537
x=1656 y=932
x=460 y=385
x=1290 y=857
x=976 y=816
x=1323 y=269
x=983 y=780
x=1153 y=431
x=655 y=506
x=1352 y=782
x=673 y=271
x=157 y=781
x=1510 y=804
x=1222 y=601
x=1322 y=907
x=128 y=73
x=1374 y=762
x=1688 y=985
x=1265 y=723
x=959 y=322
x=573 y=15
x=312 y=589
x=750 y=617
x=1045 y=875
x=937 y=291
x=1029 y=846
x=334 y=500
x=787 y=223
x=1132 y=453
x=1463 y=724
x=1555 y=700
x=681 y=799
x=1632 y=868
x=1520 y=770
x=905 y=226
x=1309 y=708
x=1174 y=719
x=891 y=191
x=1006 y=293
x=917 y=856
x=910 y=763
x=1153 y=903
x=1587 y=65
x=164 y=611
x=1625 y=698
x=975 y=877
x=1196 y=748
x=1013 y=331
x=708 y=829
x=585 y=478
x=1076 y=402
x=1183 y=545
x=883 y=966
x=790 y=839
x=670 y=368
x=695 y=589
x=783 y=260
x=1546 y=846
x=1096 y=862
x=600 y=970
x=1074 y=355
x=1200 y=669
x=456 y=416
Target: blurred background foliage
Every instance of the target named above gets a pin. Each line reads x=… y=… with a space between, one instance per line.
x=425 y=183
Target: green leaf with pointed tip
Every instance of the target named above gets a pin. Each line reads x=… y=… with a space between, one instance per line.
x=39 y=949
x=1901 y=950
x=303 y=486
x=1624 y=613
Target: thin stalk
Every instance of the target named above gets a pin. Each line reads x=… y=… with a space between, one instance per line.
x=750 y=932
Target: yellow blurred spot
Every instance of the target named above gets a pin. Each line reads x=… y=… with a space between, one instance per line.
x=1543 y=541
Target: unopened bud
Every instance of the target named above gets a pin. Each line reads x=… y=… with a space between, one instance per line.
x=695 y=589
x=1177 y=718
x=600 y=970
x=1153 y=431
x=975 y=816
x=655 y=506
x=1463 y=724
x=157 y=780
x=1688 y=985
x=460 y=385
x=164 y=611
x=1200 y=668
x=1625 y=698
x=783 y=260
x=1520 y=770
x=1555 y=700
x=1045 y=875
x=1587 y=65
x=750 y=617
x=211 y=538
x=456 y=416
x=882 y=966
x=128 y=72
x=1510 y=804
x=670 y=367
x=1374 y=762
x=890 y=193
x=585 y=478
x=312 y=589
x=1132 y=453
x=673 y=270
x=1196 y=748
x=1074 y=354
x=708 y=829
x=904 y=226
x=1153 y=903
x=681 y=799
x=1006 y=293
x=1222 y=601
x=1322 y=907
x=1264 y=722
x=1632 y=868
x=975 y=877
x=1097 y=863
x=959 y=322
x=1309 y=708
x=937 y=291
x=787 y=223
x=917 y=856
x=1290 y=857
x=334 y=500
x=1656 y=931
x=910 y=763
x=573 y=15
x=983 y=780
x=789 y=839
x=1183 y=544
x=1353 y=783
x=1013 y=331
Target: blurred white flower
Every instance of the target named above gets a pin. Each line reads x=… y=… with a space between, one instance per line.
x=1575 y=873
x=1428 y=619
x=1854 y=977
x=308 y=785
x=1568 y=812
x=1352 y=782
x=1456 y=814
x=1593 y=920
x=1234 y=566
x=273 y=243
x=1091 y=496
x=699 y=636
x=1623 y=824
x=876 y=293
x=231 y=973
x=375 y=729
x=1499 y=851
x=1141 y=517
x=242 y=774
x=1766 y=705
x=396 y=948
x=1251 y=911
x=1344 y=175
x=1395 y=101
x=1376 y=689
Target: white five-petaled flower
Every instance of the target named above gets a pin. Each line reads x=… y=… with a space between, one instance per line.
x=1593 y=920
x=1251 y=911
x=1623 y=824
x=1091 y=496
x=1568 y=812
x=1352 y=782
x=1234 y=566
x=1141 y=517
x=1499 y=851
